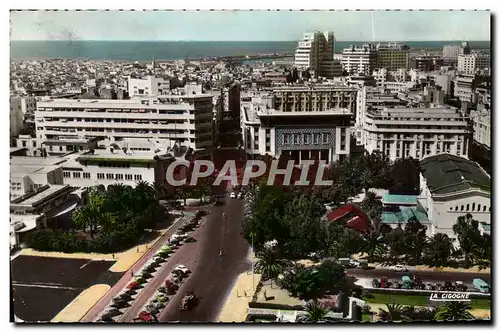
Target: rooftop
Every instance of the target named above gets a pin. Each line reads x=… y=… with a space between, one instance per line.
x=330 y=112
x=42 y=194
x=447 y=174
x=119 y=155
x=399 y=199
x=404 y=213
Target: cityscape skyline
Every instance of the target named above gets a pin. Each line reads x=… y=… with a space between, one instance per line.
x=283 y=25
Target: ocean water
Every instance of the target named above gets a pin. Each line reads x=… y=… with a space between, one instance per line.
x=157 y=50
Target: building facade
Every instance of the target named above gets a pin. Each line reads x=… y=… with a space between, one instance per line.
x=315 y=52
x=392 y=56
x=148 y=86
x=482 y=127
x=359 y=59
x=453 y=186
x=416 y=132
x=314 y=98
x=473 y=63
x=185 y=119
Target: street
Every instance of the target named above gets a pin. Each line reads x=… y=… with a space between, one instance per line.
x=425 y=276
x=213 y=275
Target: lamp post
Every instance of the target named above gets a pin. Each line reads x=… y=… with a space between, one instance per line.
x=224 y=217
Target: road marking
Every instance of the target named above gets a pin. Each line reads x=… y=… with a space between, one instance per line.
x=43 y=286
x=84 y=265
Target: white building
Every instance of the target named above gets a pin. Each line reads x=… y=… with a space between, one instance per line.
x=302 y=135
x=359 y=59
x=482 y=127
x=30 y=173
x=416 y=132
x=315 y=52
x=183 y=118
x=453 y=186
x=22 y=109
x=149 y=86
x=451 y=51
x=472 y=63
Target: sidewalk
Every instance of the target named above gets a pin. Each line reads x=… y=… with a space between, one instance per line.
x=437 y=269
x=235 y=308
x=75 y=311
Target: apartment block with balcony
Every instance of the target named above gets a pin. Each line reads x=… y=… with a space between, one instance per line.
x=185 y=119
x=314 y=98
x=360 y=59
x=148 y=86
x=482 y=127
x=315 y=53
x=392 y=56
x=416 y=132
x=473 y=63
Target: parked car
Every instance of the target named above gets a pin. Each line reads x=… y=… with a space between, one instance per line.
x=481 y=285
x=398 y=268
x=233 y=195
x=181 y=270
x=240 y=195
x=459 y=285
x=189 y=239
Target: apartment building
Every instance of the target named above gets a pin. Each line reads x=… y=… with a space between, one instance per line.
x=481 y=122
x=22 y=110
x=314 y=98
x=359 y=59
x=185 y=119
x=148 y=86
x=416 y=132
x=392 y=56
x=472 y=63
x=315 y=52
x=451 y=51
x=427 y=62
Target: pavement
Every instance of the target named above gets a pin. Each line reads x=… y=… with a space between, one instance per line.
x=136 y=265
x=425 y=276
x=74 y=311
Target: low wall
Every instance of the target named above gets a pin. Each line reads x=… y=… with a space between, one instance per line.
x=473 y=295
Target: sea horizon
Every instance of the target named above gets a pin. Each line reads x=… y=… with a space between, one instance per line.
x=122 y=50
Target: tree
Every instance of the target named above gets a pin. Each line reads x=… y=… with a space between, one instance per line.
x=454 y=311
x=415 y=237
x=268 y=264
x=468 y=234
x=394 y=313
x=438 y=250
x=405 y=177
x=483 y=251
x=315 y=312
x=397 y=244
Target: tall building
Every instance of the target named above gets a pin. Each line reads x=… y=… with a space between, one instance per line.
x=185 y=119
x=482 y=127
x=416 y=132
x=472 y=63
x=392 y=56
x=315 y=52
x=359 y=59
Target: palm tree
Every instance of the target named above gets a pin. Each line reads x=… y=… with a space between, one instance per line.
x=315 y=312
x=268 y=264
x=468 y=234
x=394 y=313
x=438 y=250
x=454 y=311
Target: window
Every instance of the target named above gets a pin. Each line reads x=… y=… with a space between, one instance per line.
x=307 y=138
x=100 y=175
x=128 y=176
x=286 y=139
x=484 y=208
x=296 y=138
x=86 y=175
x=110 y=176
x=316 y=138
x=479 y=207
x=67 y=174
x=468 y=207
x=456 y=208
x=461 y=208
x=473 y=206
x=76 y=175
x=119 y=176
x=137 y=177
x=326 y=138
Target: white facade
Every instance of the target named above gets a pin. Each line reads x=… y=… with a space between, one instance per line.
x=471 y=63
x=482 y=127
x=326 y=136
x=451 y=51
x=149 y=86
x=315 y=52
x=184 y=118
x=30 y=173
x=449 y=190
x=21 y=108
x=416 y=132
x=359 y=59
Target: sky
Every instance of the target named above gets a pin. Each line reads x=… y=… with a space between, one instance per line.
x=249 y=25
